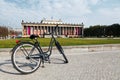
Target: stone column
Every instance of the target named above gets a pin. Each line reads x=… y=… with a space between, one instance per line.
x=25 y=31
x=31 y=30
x=60 y=30
x=35 y=30
x=74 y=31
x=38 y=30
x=70 y=30
x=46 y=29
x=63 y=31
x=67 y=31
x=50 y=29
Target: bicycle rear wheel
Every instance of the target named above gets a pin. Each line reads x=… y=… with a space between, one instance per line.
x=60 y=49
x=23 y=60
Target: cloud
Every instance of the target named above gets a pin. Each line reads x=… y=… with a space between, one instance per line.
x=34 y=10
x=110 y=12
x=104 y=16
x=94 y=2
x=12 y=12
x=64 y=7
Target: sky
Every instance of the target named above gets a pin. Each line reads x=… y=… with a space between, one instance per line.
x=89 y=12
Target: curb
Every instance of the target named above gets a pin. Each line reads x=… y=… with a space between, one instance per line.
x=93 y=48
x=89 y=48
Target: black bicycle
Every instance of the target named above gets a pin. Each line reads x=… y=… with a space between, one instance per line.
x=27 y=56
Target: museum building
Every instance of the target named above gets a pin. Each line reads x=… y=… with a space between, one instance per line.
x=47 y=26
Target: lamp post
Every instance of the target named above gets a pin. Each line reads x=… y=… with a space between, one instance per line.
x=82 y=30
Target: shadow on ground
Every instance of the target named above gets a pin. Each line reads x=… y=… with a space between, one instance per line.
x=6 y=67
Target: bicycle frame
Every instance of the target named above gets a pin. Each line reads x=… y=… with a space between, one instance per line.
x=52 y=41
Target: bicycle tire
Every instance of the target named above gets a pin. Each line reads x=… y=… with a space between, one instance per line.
x=20 y=59
x=60 y=49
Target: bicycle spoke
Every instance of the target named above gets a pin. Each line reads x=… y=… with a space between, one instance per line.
x=24 y=51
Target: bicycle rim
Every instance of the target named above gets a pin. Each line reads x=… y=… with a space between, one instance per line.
x=21 y=58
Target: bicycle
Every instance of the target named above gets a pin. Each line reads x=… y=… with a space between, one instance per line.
x=27 y=56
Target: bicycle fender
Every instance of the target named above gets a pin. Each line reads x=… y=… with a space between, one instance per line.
x=17 y=43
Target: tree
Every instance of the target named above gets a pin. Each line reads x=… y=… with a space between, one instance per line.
x=94 y=31
x=102 y=30
x=3 y=31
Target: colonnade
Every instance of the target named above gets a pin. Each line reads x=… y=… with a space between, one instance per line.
x=40 y=30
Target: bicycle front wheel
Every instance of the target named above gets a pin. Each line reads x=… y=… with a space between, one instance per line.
x=60 y=49
x=23 y=60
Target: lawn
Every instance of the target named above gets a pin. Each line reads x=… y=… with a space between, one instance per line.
x=64 y=41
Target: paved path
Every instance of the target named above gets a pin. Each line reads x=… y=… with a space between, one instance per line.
x=98 y=65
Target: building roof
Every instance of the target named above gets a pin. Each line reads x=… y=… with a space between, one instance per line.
x=50 y=22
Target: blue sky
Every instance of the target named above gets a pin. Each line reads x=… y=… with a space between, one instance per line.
x=90 y=12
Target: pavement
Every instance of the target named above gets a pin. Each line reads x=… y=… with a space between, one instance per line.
x=98 y=62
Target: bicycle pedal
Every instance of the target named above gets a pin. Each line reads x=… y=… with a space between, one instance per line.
x=46 y=59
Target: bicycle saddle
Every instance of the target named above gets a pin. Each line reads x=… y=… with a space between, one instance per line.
x=33 y=36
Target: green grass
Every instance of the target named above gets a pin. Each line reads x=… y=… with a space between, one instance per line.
x=64 y=41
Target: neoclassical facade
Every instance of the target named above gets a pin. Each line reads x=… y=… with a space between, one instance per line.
x=47 y=26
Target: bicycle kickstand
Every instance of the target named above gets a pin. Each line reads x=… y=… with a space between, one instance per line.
x=43 y=64
x=42 y=58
